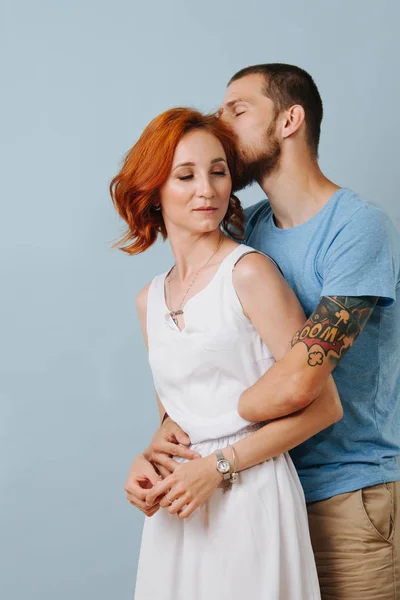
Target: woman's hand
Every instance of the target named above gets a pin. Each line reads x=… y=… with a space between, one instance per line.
x=189 y=486
x=141 y=478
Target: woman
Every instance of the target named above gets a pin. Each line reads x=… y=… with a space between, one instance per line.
x=233 y=522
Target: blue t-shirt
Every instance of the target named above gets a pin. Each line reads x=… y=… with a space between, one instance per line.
x=349 y=248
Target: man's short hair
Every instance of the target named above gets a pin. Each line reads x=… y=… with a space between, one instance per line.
x=287 y=85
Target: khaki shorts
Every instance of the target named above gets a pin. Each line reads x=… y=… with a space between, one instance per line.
x=356 y=542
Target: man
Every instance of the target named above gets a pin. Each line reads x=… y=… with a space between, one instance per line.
x=342 y=258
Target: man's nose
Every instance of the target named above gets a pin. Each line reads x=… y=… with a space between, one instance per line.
x=226 y=118
x=222 y=114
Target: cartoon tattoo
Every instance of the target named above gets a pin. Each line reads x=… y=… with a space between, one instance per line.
x=334 y=326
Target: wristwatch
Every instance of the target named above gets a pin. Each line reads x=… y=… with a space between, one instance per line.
x=223 y=465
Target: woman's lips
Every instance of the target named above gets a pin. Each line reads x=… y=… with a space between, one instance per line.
x=205 y=209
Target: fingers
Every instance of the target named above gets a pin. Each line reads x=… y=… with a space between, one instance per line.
x=173 y=449
x=161 y=444
x=136 y=491
x=181 y=505
x=141 y=478
x=166 y=461
x=171 y=441
x=175 y=499
x=180 y=435
x=141 y=505
x=178 y=504
x=160 y=489
x=167 y=500
x=162 y=470
x=172 y=427
x=165 y=447
x=151 y=474
x=164 y=503
x=156 y=496
x=149 y=512
x=152 y=511
x=184 y=452
x=188 y=510
x=169 y=450
x=147 y=452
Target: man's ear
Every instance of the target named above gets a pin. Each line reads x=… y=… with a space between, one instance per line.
x=293 y=120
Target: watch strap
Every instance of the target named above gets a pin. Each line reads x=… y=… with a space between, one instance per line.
x=219 y=454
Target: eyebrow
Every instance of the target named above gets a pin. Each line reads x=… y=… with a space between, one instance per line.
x=233 y=102
x=192 y=164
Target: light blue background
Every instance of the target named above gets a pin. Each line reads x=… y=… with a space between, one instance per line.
x=80 y=80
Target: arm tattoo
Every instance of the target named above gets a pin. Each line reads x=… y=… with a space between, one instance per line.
x=334 y=326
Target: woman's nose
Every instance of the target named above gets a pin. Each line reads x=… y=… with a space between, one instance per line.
x=206 y=188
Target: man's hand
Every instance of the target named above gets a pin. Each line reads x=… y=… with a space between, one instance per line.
x=169 y=440
x=141 y=478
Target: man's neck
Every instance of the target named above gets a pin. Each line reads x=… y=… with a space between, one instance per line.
x=298 y=190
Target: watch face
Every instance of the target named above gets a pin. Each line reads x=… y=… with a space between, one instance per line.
x=223 y=466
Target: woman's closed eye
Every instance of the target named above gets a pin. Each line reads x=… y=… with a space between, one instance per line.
x=189 y=176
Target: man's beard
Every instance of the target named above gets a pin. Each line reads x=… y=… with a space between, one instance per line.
x=253 y=169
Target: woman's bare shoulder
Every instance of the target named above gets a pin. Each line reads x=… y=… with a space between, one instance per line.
x=254 y=265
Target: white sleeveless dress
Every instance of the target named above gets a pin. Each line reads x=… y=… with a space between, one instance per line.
x=252 y=541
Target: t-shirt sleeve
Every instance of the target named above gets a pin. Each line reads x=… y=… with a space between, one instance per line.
x=363 y=258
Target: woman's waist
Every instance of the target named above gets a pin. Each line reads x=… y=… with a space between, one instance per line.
x=207 y=446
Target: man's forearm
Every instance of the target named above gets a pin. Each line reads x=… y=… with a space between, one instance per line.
x=288 y=386
x=284 y=434
x=297 y=379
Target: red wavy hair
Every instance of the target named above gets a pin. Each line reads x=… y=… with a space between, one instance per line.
x=146 y=167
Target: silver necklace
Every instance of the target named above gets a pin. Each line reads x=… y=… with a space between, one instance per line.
x=179 y=311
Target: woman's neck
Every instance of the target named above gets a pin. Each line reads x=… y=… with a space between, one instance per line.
x=192 y=251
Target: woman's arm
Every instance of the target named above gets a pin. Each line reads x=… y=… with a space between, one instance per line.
x=141 y=309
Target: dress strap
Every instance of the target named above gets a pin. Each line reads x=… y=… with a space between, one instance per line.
x=241 y=251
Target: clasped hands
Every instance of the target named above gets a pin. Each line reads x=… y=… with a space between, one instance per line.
x=178 y=487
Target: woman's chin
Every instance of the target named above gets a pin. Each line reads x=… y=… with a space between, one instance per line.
x=210 y=227
x=209 y=224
